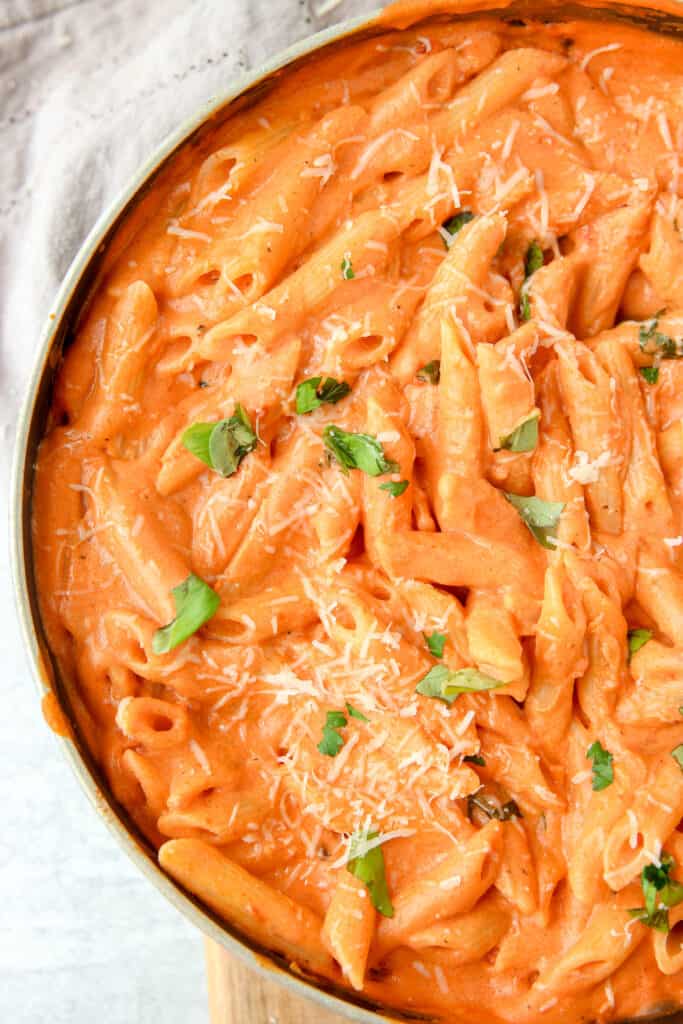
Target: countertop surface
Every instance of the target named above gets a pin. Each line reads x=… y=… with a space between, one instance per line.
x=87 y=89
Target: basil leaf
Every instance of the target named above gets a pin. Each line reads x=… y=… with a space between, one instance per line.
x=659 y=921
x=222 y=445
x=677 y=754
x=445 y=685
x=540 y=517
x=436 y=643
x=491 y=809
x=650 y=373
x=347 y=269
x=354 y=713
x=603 y=772
x=357 y=451
x=312 y=393
x=195 y=603
x=660 y=893
x=196 y=440
x=230 y=441
x=332 y=742
x=637 y=638
x=455 y=224
x=368 y=867
x=430 y=373
x=523 y=438
x=475 y=759
x=524 y=305
x=654 y=342
x=533 y=261
x=394 y=487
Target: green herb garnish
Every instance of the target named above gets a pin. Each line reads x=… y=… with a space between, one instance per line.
x=357 y=451
x=195 y=603
x=332 y=742
x=540 y=517
x=475 y=759
x=445 y=685
x=654 y=342
x=347 y=269
x=533 y=261
x=677 y=754
x=637 y=638
x=314 y=392
x=660 y=893
x=224 y=444
x=368 y=867
x=523 y=438
x=394 y=487
x=430 y=373
x=488 y=807
x=355 y=713
x=650 y=373
x=436 y=643
x=603 y=772
x=455 y=224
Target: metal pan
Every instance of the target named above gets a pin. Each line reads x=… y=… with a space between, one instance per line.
x=659 y=16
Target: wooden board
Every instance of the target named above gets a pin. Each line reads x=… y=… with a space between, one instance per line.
x=238 y=995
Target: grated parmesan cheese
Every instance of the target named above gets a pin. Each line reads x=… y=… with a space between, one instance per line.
x=609 y=48
x=586 y=471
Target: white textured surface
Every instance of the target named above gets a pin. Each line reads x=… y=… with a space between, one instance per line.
x=87 y=89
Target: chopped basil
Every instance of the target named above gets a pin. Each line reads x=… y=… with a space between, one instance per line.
x=659 y=920
x=314 y=392
x=368 y=867
x=430 y=373
x=436 y=643
x=332 y=742
x=637 y=638
x=650 y=373
x=660 y=893
x=523 y=438
x=196 y=440
x=195 y=603
x=224 y=444
x=533 y=261
x=445 y=685
x=455 y=224
x=475 y=759
x=354 y=713
x=654 y=342
x=394 y=487
x=677 y=754
x=524 y=305
x=492 y=809
x=347 y=269
x=357 y=451
x=603 y=772
x=540 y=517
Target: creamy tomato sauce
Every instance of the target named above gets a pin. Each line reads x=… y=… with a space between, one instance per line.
x=357 y=521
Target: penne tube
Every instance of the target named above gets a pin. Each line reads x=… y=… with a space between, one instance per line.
x=467 y=937
x=349 y=926
x=267 y=916
x=134 y=537
x=452 y=887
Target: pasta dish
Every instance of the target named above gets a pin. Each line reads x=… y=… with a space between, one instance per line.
x=358 y=519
